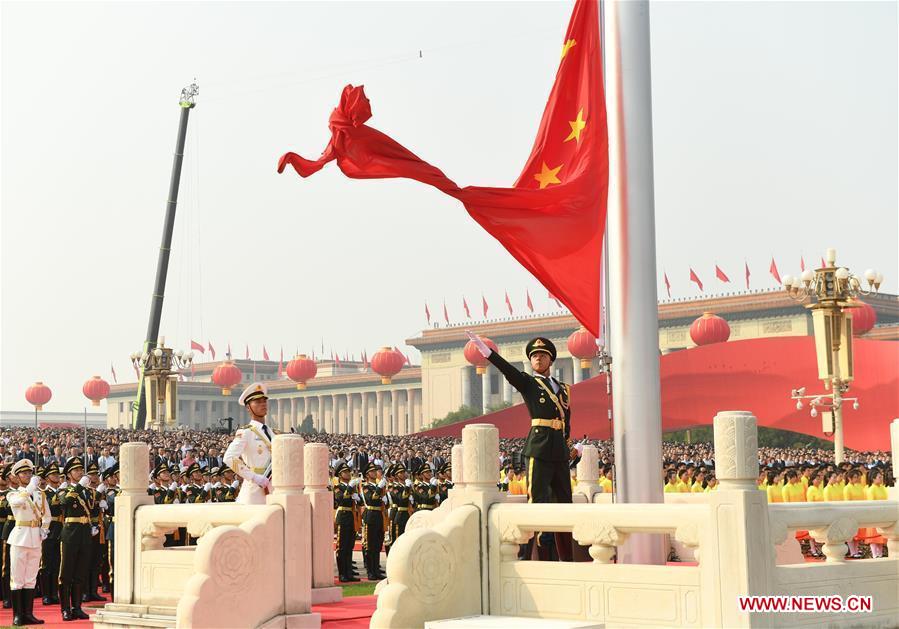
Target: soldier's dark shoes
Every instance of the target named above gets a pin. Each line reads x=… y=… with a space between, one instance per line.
x=6 y=604
x=95 y=597
x=48 y=601
x=67 y=615
x=77 y=614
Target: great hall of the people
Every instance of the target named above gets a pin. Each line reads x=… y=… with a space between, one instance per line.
x=346 y=397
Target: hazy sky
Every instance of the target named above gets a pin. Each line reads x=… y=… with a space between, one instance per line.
x=775 y=130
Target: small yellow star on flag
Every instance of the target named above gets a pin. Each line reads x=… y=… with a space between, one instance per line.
x=568 y=46
x=577 y=126
x=548 y=175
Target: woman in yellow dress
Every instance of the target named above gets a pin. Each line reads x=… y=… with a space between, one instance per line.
x=775 y=491
x=875 y=491
x=671 y=482
x=855 y=490
x=763 y=480
x=815 y=493
x=833 y=492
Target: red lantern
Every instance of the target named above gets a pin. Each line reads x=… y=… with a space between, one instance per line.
x=863 y=317
x=474 y=356
x=96 y=389
x=387 y=362
x=582 y=344
x=38 y=394
x=226 y=376
x=709 y=328
x=301 y=369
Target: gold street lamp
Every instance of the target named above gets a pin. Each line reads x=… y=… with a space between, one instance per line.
x=162 y=384
x=833 y=289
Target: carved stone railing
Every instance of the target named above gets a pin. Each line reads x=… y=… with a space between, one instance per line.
x=260 y=555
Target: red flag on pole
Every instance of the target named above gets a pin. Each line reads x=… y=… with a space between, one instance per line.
x=281 y=364
x=801 y=263
x=445 y=314
x=549 y=294
x=667 y=284
x=561 y=190
x=427 y=313
x=484 y=305
x=465 y=305
x=720 y=274
x=248 y=355
x=823 y=264
x=774 y=273
x=695 y=278
x=112 y=369
x=264 y=353
x=196 y=346
x=508 y=303
x=746 y=264
x=529 y=302
x=211 y=350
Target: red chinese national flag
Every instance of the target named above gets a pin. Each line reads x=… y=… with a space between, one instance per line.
x=196 y=346
x=530 y=304
x=720 y=274
x=774 y=273
x=509 y=304
x=695 y=278
x=445 y=314
x=667 y=284
x=746 y=264
x=561 y=190
x=465 y=306
x=484 y=305
x=264 y=353
x=427 y=313
x=211 y=350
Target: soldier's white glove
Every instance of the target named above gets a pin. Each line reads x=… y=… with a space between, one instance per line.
x=235 y=484
x=382 y=483
x=433 y=482
x=481 y=345
x=174 y=486
x=33 y=485
x=95 y=530
x=356 y=497
x=44 y=534
x=85 y=481
x=104 y=505
x=262 y=481
x=101 y=488
x=408 y=483
x=207 y=486
x=384 y=499
x=153 y=486
x=355 y=481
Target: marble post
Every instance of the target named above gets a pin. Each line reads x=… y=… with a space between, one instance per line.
x=366 y=429
x=322 y=504
x=485 y=389
x=134 y=469
x=466 y=386
x=394 y=412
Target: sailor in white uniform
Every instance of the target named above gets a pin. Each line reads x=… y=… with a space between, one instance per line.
x=250 y=454
x=32 y=513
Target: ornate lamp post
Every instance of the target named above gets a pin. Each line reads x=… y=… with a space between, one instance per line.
x=157 y=367
x=832 y=288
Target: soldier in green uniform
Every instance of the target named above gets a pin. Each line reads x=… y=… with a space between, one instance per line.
x=391 y=510
x=548 y=445
x=401 y=497
x=50 y=546
x=9 y=523
x=194 y=491
x=372 y=492
x=444 y=484
x=345 y=498
x=75 y=540
x=108 y=490
x=224 y=490
x=97 y=547
x=424 y=492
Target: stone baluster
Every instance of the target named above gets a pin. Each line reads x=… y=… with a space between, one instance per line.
x=288 y=479
x=834 y=538
x=588 y=473
x=322 y=501
x=456 y=457
x=737 y=532
x=134 y=470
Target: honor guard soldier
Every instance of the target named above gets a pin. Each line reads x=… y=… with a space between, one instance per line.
x=50 y=547
x=372 y=492
x=31 y=517
x=8 y=524
x=108 y=490
x=75 y=539
x=401 y=498
x=194 y=491
x=391 y=510
x=345 y=498
x=98 y=537
x=548 y=445
x=227 y=489
x=250 y=454
x=424 y=491
x=444 y=484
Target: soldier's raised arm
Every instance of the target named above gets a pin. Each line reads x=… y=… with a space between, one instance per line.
x=516 y=378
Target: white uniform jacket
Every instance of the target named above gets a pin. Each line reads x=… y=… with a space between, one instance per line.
x=250 y=451
x=32 y=509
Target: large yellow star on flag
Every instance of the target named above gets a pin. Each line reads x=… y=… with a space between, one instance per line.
x=548 y=175
x=568 y=46
x=577 y=125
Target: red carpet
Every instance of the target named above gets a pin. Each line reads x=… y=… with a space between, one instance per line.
x=51 y=615
x=353 y=613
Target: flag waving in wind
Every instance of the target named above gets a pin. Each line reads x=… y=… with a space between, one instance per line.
x=746 y=264
x=196 y=346
x=465 y=306
x=509 y=304
x=211 y=350
x=484 y=305
x=561 y=190
x=720 y=274
x=667 y=284
x=427 y=313
x=774 y=273
x=695 y=278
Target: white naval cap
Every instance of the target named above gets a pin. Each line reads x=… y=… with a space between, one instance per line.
x=253 y=392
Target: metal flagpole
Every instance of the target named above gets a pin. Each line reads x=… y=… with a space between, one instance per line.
x=85 y=430
x=633 y=317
